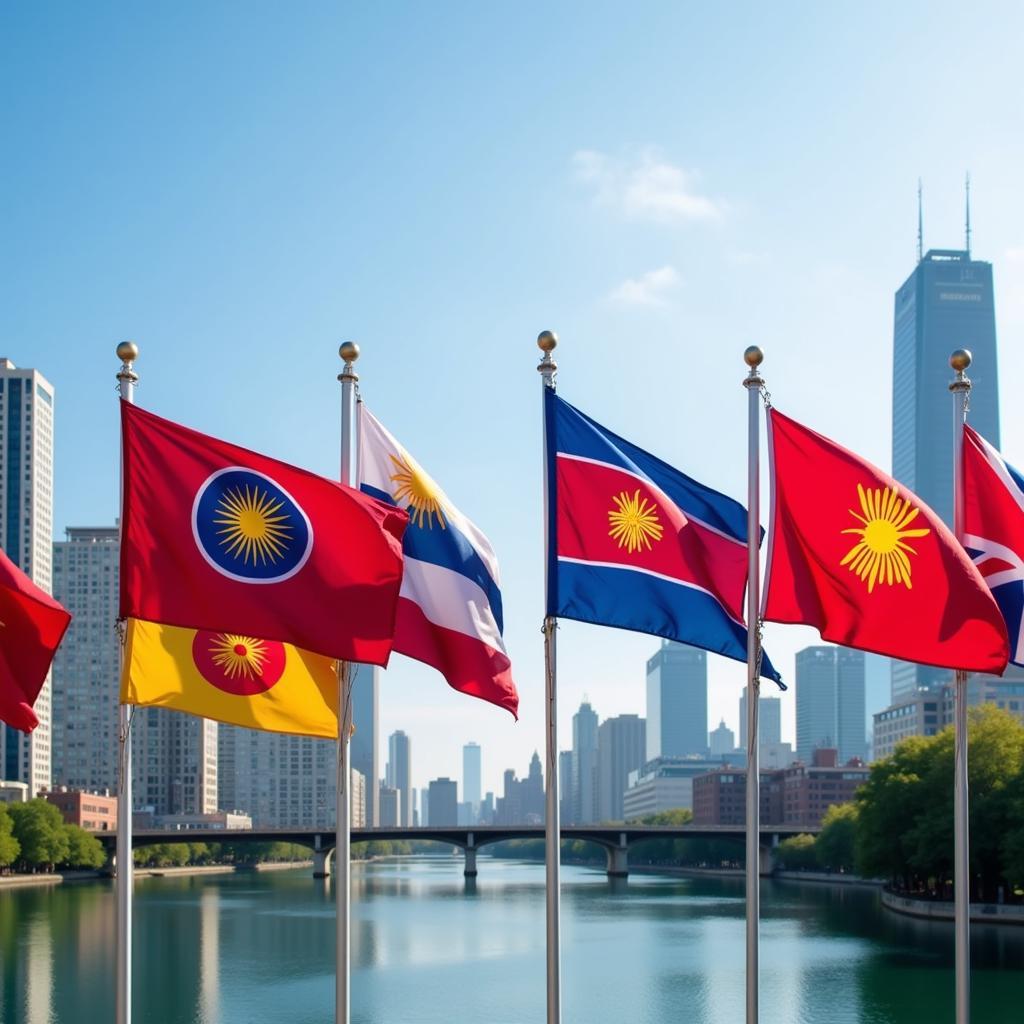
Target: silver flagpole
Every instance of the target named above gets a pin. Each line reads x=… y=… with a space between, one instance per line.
x=753 y=383
x=961 y=388
x=349 y=353
x=127 y=352
x=546 y=342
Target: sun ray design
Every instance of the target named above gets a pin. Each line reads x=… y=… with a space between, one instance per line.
x=880 y=556
x=420 y=494
x=634 y=522
x=238 y=657
x=251 y=525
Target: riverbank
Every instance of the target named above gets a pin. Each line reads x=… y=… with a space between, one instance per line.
x=940 y=910
x=60 y=877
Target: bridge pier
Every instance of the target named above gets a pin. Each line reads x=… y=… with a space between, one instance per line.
x=766 y=859
x=469 y=870
x=618 y=858
x=322 y=862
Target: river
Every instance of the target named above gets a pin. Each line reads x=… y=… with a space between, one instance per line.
x=259 y=949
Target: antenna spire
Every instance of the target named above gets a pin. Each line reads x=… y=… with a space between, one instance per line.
x=920 y=224
x=967 y=222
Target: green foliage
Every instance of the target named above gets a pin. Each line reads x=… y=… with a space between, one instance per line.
x=39 y=830
x=84 y=850
x=835 y=847
x=797 y=853
x=678 y=816
x=9 y=846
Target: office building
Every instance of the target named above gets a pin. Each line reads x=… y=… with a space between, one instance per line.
x=721 y=740
x=86 y=669
x=830 y=702
x=621 y=746
x=946 y=303
x=522 y=800
x=363 y=746
x=666 y=783
x=26 y=533
x=471 y=768
x=443 y=804
x=769 y=720
x=584 y=765
x=174 y=762
x=399 y=773
x=390 y=807
x=95 y=812
x=565 y=787
x=677 y=702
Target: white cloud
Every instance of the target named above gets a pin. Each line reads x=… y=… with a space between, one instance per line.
x=647 y=188
x=649 y=289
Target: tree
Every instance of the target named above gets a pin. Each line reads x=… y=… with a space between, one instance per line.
x=797 y=853
x=9 y=846
x=84 y=850
x=39 y=830
x=835 y=845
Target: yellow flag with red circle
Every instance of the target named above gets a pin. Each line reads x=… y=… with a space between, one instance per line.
x=231 y=678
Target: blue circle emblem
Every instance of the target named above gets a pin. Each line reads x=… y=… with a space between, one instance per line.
x=249 y=528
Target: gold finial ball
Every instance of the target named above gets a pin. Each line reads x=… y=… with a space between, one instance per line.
x=349 y=351
x=753 y=357
x=546 y=341
x=960 y=359
x=127 y=351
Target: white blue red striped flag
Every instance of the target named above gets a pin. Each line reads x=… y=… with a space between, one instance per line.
x=449 y=607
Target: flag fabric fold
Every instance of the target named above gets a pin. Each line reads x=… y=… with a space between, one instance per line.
x=636 y=544
x=216 y=537
x=865 y=561
x=232 y=678
x=994 y=531
x=32 y=625
x=449 y=609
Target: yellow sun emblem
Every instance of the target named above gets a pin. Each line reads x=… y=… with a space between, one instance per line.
x=880 y=556
x=238 y=657
x=634 y=522
x=420 y=494
x=251 y=527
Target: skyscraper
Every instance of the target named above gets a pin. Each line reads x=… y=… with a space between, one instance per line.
x=86 y=669
x=584 y=765
x=363 y=747
x=769 y=720
x=399 y=774
x=946 y=303
x=471 y=768
x=621 y=747
x=677 y=702
x=174 y=762
x=443 y=802
x=722 y=740
x=830 y=702
x=26 y=532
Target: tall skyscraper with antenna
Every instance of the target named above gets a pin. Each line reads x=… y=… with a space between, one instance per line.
x=946 y=303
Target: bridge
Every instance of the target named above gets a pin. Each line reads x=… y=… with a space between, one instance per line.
x=615 y=840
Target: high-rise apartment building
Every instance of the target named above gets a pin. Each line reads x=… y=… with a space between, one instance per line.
x=830 y=702
x=769 y=720
x=946 y=303
x=584 y=765
x=621 y=749
x=677 y=702
x=86 y=669
x=399 y=774
x=363 y=747
x=471 y=768
x=174 y=762
x=26 y=533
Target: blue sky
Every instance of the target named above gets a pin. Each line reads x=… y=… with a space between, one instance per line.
x=240 y=187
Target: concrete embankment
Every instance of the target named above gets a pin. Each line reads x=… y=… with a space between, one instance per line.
x=59 y=877
x=938 y=910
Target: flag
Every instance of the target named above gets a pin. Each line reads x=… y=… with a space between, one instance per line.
x=32 y=625
x=449 y=608
x=857 y=555
x=994 y=531
x=241 y=680
x=636 y=544
x=218 y=538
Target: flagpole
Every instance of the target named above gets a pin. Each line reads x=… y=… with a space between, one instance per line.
x=546 y=342
x=960 y=360
x=753 y=383
x=127 y=352
x=349 y=353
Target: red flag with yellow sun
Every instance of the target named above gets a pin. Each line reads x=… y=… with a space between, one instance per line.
x=857 y=555
x=240 y=680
